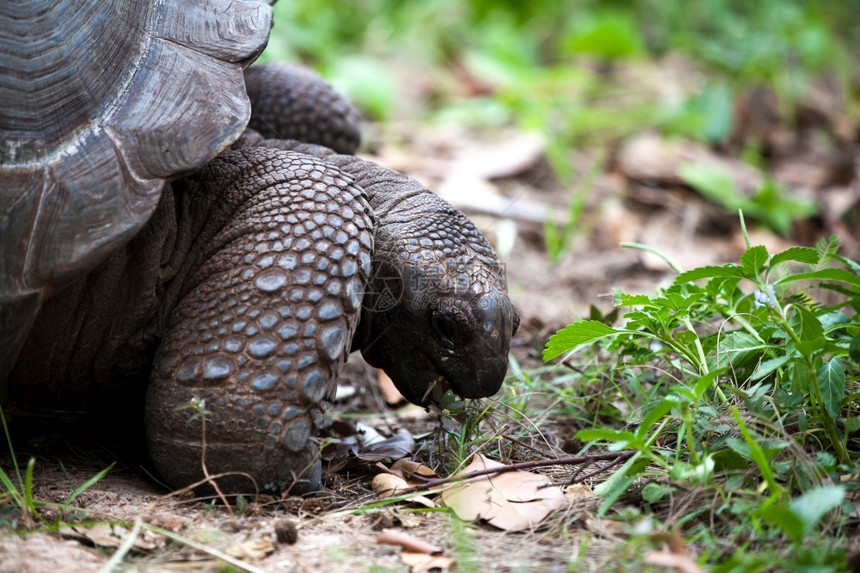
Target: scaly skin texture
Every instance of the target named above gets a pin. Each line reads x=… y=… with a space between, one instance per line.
x=436 y=315
x=291 y=102
x=265 y=321
x=246 y=291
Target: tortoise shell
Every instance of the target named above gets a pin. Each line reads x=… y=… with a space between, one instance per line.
x=102 y=102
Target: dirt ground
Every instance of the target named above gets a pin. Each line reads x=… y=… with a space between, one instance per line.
x=508 y=189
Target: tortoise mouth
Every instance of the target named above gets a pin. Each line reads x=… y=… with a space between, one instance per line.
x=428 y=384
x=436 y=391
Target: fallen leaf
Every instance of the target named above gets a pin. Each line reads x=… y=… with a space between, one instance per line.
x=578 y=491
x=110 y=535
x=512 y=501
x=409 y=520
x=253 y=549
x=389 y=391
x=649 y=157
x=421 y=562
x=407 y=542
x=343 y=392
x=363 y=442
x=408 y=469
x=386 y=485
x=604 y=527
x=397 y=446
x=506 y=159
x=479 y=195
x=681 y=563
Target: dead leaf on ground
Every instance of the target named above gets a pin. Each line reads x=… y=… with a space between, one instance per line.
x=409 y=520
x=681 y=563
x=390 y=393
x=421 y=562
x=604 y=527
x=512 y=501
x=388 y=485
x=649 y=157
x=111 y=535
x=410 y=469
x=475 y=194
x=505 y=159
x=364 y=443
x=253 y=549
x=578 y=491
x=407 y=542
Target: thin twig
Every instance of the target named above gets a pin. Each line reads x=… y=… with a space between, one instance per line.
x=124 y=548
x=209 y=479
x=523 y=444
x=604 y=469
x=578 y=471
x=615 y=457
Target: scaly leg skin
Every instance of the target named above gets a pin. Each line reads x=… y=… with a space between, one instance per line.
x=264 y=321
x=292 y=102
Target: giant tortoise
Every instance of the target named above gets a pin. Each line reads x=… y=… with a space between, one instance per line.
x=240 y=287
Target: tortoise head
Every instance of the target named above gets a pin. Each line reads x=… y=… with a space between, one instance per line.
x=437 y=314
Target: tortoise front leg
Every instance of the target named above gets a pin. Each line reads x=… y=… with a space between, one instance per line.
x=269 y=304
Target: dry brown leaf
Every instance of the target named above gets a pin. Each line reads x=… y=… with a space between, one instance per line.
x=506 y=159
x=108 y=535
x=479 y=195
x=578 y=491
x=387 y=485
x=604 y=527
x=681 y=563
x=421 y=562
x=649 y=157
x=512 y=501
x=253 y=549
x=406 y=542
x=406 y=469
x=389 y=391
x=409 y=520
x=368 y=445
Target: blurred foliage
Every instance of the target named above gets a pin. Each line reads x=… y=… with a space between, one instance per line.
x=543 y=64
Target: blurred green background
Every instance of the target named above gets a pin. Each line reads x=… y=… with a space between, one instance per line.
x=544 y=64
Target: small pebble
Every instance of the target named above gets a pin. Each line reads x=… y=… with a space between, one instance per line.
x=286 y=532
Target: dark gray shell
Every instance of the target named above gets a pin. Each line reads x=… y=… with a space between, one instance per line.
x=102 y=101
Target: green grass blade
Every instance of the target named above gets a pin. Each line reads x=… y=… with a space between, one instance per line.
x=11 y=449
x=205 y=548
x=10 y=488
x=88 y=484
x=124 y=548
x=28 y=486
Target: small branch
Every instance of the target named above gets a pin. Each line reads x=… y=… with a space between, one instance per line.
x=523 y=444
x=209 y=478
x=614 y=457
x=604 y=469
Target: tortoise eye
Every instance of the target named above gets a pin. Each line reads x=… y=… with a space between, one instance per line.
x=445 y=327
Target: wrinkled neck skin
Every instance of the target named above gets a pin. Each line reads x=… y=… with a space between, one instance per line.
x=436 y=315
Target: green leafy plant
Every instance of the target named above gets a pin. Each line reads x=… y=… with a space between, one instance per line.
x=759 y=363
x=771 y=204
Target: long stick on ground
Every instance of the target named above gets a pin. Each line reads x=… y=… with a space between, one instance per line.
x=614 y=457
